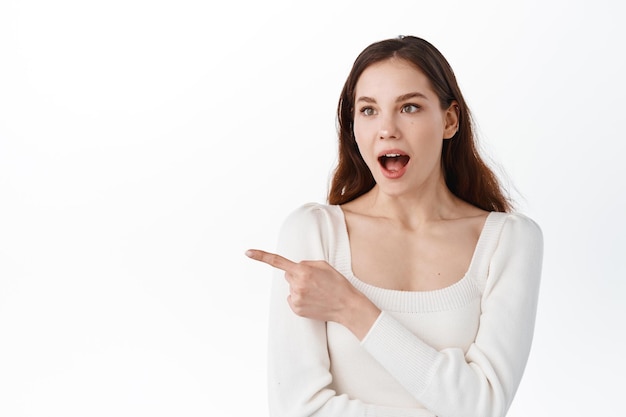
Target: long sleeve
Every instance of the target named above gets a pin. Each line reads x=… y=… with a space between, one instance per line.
x=481 y=382
x=298 y=367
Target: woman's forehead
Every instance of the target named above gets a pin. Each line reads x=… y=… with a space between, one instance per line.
x=392 y=77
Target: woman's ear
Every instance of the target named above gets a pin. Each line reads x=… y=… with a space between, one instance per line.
x=451 y=120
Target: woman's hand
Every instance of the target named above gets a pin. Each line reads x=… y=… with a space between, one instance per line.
x=318 y=291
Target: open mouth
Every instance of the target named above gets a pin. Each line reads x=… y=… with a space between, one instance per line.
x=393 y=162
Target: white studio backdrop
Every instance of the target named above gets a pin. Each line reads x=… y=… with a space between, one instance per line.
x=145 y=145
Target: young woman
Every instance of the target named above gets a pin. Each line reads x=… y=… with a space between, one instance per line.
x=414 y=291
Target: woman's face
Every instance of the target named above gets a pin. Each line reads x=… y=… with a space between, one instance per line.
x=399 y=126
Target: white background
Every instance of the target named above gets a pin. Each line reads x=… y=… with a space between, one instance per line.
x=144 y=145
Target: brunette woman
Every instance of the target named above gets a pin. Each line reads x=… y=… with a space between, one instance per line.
x=413 y=292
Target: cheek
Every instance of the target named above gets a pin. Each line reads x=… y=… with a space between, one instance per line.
x=359 y=137
x=358 y=130
x=364 y=147
x=363 y=134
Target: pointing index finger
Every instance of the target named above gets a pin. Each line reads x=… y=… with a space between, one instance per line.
x=271 y=259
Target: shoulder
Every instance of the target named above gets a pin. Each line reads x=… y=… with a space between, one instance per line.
x=517 y=237
x=312 y=216
x=310 y=229
x=309 y=211
x=519 y=226
x=513 y=248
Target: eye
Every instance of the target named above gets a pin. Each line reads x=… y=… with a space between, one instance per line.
x=367 y=111
x=410 y=108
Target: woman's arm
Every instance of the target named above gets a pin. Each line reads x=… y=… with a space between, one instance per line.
x=298 y=365
x=483 y=381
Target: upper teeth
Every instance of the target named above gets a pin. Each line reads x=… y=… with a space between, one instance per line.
x=392 y=155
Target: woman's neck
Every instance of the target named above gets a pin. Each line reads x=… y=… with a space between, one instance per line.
x=412 y=210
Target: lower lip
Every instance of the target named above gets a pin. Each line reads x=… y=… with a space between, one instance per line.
x=393 y=175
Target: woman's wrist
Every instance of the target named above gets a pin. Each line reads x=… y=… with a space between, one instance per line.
x=360 y=315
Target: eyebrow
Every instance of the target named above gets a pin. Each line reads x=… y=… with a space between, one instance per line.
x=403 y=97
x=411 y=95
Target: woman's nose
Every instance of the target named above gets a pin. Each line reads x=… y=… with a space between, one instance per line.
x=388 y=128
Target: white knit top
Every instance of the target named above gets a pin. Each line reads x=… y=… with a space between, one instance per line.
x=459 y=351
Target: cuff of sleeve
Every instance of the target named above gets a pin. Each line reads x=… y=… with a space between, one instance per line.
x=408 y=359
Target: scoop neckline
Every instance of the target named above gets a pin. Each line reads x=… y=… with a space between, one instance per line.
x=344 y=239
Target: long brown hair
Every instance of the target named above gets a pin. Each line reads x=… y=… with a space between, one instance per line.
x=466 y=174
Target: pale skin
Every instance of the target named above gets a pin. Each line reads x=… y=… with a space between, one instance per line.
x=408 y=233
